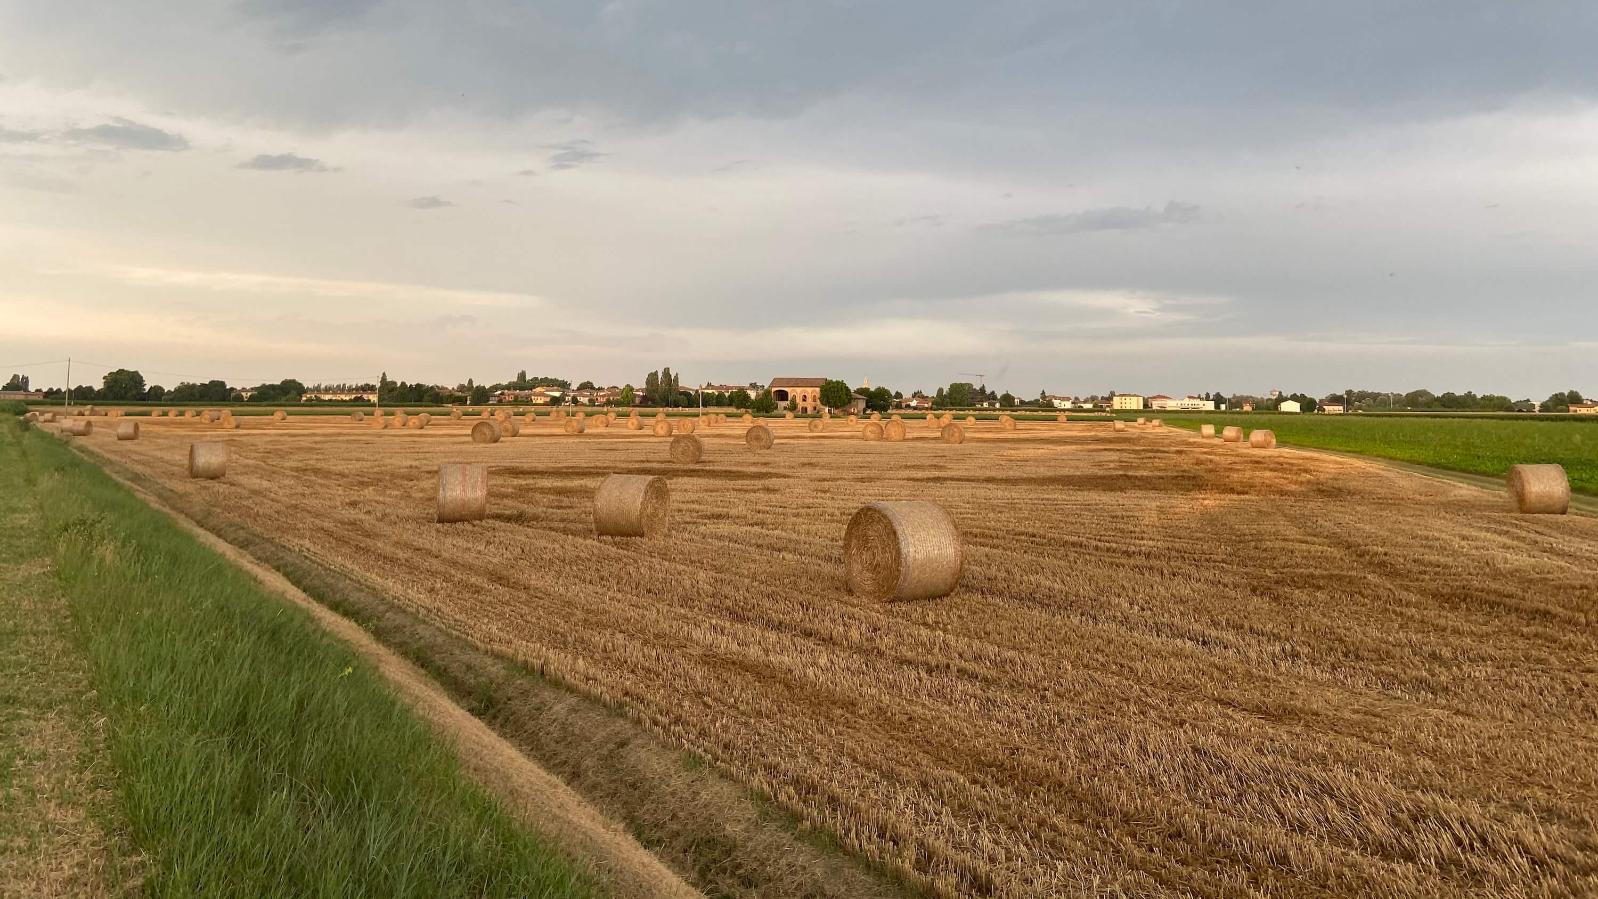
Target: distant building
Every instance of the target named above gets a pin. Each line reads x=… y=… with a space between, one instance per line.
x=1330 y=406
x=919 y=401
x=1289 y=406
x=1248 y=407
x=39 y=395
x=804 y=392
x=335 y=396
x=1188 y=403
x=1060 y=402
x=1126 y=401
x=1584 y=408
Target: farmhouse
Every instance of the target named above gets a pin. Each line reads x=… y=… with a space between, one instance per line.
x=805 y=392
x=1127 y=401
x=1289 y=406
x=1331 y=406
x=1189 y=403
x=1584 y=408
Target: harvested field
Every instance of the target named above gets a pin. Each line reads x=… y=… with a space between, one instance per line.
x=1172 y=667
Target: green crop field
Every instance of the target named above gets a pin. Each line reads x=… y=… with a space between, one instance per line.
x=1485 y=446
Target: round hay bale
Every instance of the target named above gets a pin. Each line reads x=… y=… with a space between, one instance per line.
x=462 y=492
x=510 y=427
x=1141 y=421
x=127 y=430
x=660 y=416
x=455 y=414
x=1119 y=425
x=502 y=415
x=1232 y=434
x=599 y=421
x=357 y=417
x=228 y=423
x=1539 y=489
x=189 y=413
x=932 y=419
x=78 y=427
x=816 y=424
x=970 y=420
x=486 y=431
x=893 y=430
x=581 y=415
x=1007 y=422
x=426 y=418
x=685 y=426
x=280 y=415
x=1158 y=423
x=876 y=416
x=401 y=419
x=853 y=420
x=415 y=423
x=530 y=419
x=952 y=433
x=686 y=449
x=634 y=424
x=1206 y=430
x=484 y=414
x=758 y=437
x=210 y=417
x=788 y=415
x=902 y=550
x=896 y=417
x=872 y=430
x=631 y=505
x=946 y=418
x=378 y=422
x=574 y=425
x=1061 y=418
x=748 y=419
x=610 y=415
x=661 y=427
x=208 y=460
x=1262 y=439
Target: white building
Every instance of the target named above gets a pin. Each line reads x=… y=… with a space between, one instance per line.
x=1126 y=401
x=1288 y=406
x=1188 y=403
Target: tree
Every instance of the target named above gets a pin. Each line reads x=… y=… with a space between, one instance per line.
x=880 y=400
x=521 y=377
x=155 y=393
x=586 y=385
x=652 y=387
x=959 y=395
x=627 y=395
x=765 y=403
x=1006 y=400
x=122 y=385
x=836 y=395
x=1560 y=402
x=739 y=399
x=478 y=395
x=17 y=382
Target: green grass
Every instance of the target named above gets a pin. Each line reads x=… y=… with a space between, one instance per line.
x=255 y=755
x=1485 y=446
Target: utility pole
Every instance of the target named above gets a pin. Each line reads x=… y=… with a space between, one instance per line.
x=68 y=390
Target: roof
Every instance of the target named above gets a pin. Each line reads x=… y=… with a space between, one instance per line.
x=798 y=382
x=1159 y=396
x=1330 y=401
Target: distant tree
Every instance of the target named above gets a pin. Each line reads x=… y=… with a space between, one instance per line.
x=939 y=399
x=155 y=393
x=879 y=400
x=836 y=394
x=586 y=385
x=478 y=395
x=627 y=395
x=739 y=399
x=17 y=382
x=960 y=395
x=122 y=385
x=521 y=377
x=765 y=403
x=897 y=395
x=793 y=406
x=652 y=388
x=83 y=393
x=1006 y=400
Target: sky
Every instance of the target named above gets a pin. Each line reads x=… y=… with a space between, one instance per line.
x=1142 y=196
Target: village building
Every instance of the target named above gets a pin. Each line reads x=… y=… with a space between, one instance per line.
x=1330 y=406
x=21 y=394
x=805 y=393
x=1187 y=403
x=1584 y=408
x=1132 y=401
x=1289 y=406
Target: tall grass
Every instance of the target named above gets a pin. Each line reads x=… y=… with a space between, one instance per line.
x=256 y=755
x=1486 y=446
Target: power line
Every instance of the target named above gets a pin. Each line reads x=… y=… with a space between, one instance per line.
x=10 y=365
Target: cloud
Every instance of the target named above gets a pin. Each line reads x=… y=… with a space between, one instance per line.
x=1108 y=218
x=125 y=134
x=573 y=153
x=284 y=162
x=428 y=202
x=258 y=282
x=8 y=136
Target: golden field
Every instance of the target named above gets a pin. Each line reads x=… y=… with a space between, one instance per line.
x=1174 y=666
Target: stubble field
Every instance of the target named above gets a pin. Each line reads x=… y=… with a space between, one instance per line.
x=1174 y=667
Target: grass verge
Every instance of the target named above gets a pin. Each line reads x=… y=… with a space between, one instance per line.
x=255 y=755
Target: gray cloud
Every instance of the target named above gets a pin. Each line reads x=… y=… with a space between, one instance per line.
x=1109 y=218
x=123 y=134
x=428 y=203
x=8 y=136
x=572 y=154
x=284 y=162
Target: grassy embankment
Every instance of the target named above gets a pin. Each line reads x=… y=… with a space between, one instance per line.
x=1484 y=446
x=251 y=754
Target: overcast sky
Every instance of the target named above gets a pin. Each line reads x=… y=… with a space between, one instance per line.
x=1173 y=197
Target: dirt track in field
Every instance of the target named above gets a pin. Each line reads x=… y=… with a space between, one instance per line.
x=1174 y=666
